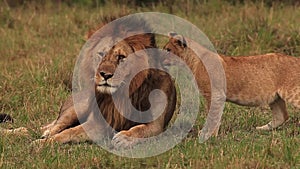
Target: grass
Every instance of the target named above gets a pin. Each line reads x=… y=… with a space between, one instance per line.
x=38 y=49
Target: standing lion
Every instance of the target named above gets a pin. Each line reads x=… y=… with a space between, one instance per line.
x=270 y=79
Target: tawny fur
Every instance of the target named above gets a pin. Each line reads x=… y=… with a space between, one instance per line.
x=271 y=79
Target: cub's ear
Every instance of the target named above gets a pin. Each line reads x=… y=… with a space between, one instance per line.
x=179 y=39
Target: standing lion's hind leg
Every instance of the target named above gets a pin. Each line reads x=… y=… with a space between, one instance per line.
x=280 y=115
x=292 y=94
x=293 y=97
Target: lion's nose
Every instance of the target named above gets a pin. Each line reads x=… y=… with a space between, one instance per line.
x=106 y=76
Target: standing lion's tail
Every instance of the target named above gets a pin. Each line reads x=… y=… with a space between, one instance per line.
x=5 y=118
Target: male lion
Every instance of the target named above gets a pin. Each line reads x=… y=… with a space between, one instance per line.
x=112 y=92
x=270 y=79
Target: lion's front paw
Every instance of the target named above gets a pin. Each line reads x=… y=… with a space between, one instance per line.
x=124 y=139
x=46 y=134
x=17 y=131
x=42 y=141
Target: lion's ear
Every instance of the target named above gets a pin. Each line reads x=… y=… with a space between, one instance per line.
x=179 y=39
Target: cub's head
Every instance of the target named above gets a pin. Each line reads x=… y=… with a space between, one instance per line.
x=176 y=45
x=120 y=67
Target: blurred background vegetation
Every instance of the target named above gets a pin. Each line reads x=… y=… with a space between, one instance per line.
x=235 y=27
x=95 y=3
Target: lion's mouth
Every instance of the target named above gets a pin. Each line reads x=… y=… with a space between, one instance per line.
x=106 y=85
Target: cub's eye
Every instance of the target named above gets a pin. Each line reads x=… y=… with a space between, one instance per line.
x=168 y=50
x=121 y=58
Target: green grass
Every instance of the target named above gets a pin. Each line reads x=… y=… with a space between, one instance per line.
x=38 y=49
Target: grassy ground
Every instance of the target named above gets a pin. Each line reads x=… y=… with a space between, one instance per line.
x=38 y=49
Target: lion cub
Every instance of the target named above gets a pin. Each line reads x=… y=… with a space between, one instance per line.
x=271 y=79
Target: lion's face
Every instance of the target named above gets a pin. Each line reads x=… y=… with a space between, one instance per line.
x=117 y=69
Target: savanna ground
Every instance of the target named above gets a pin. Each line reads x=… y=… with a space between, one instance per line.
x=38 y=48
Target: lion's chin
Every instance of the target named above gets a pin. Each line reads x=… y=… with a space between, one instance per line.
x=106 y=89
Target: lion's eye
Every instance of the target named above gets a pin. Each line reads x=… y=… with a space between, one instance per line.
x=121 y=58
x=168 y=50
x=101 y=54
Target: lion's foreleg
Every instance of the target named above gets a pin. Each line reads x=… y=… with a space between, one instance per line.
x=75 y=134
x=65 y=120
x=213 y=120
x=68 y=117
x=94 y=129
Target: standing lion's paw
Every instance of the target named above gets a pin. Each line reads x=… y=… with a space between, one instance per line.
x=203 y=136
x=265 y=128
x=123 y=139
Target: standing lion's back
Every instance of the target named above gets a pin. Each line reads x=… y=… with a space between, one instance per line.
x=254 y=79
